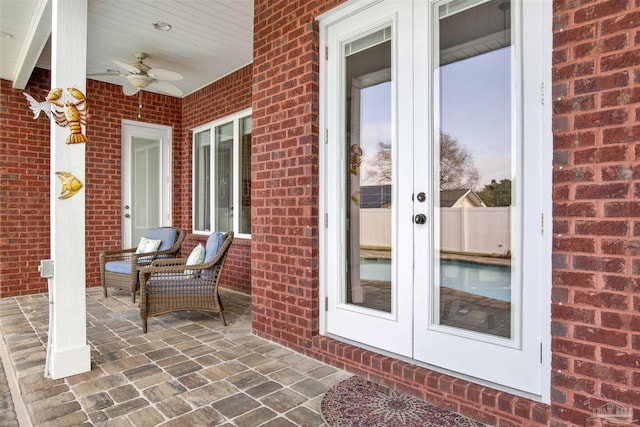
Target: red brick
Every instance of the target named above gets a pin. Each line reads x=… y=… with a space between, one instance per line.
x=600 y=10
x=600 y=83
x=573 y=175
x=621 y=60
x=610 y=153
x=573 y=279
x=574 y=35
x=602 y=336
x=620 y=135
x=571 y=71
x=609 y=265
x=626 y=322
x=601 y=118
x=601 y=228
x=574 y=140
x=621 y=97
x=566 y=312
x=603 y=191
x=575 y=209
x=573 y=348
x=620 y=247
x=620 y=358
x=574 y=244
x=580 y=103
x=622 y=283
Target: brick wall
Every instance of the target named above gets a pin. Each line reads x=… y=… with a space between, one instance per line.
x=596 y=282
x=596 y=266
x=24 y=169
x=284 y=251
x=24 y=189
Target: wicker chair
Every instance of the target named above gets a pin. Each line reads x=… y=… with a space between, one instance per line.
x=119 y=268
x=170 y=285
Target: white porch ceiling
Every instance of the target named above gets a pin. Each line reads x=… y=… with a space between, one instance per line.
x=208 y=39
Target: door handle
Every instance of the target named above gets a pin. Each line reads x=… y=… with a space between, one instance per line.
x=127 y=216
x=420 y=219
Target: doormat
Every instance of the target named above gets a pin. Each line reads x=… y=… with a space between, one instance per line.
x=356 y=402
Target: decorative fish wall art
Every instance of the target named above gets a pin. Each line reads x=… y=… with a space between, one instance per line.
x=70 y=185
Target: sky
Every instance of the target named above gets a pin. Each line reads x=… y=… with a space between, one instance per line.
x=476 y=110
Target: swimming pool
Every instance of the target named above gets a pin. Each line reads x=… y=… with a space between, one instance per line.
x=492 y=281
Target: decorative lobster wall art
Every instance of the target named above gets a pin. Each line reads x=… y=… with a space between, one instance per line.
x=70 y=110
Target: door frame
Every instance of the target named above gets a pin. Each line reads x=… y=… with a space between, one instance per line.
x=327 y=217
x=130 y=129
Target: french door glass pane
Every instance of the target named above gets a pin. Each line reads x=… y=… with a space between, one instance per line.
x=202 y=181
x=146 y=186
x=245 y=175
x=223 y=177
x=369 y=173
x=476 y=167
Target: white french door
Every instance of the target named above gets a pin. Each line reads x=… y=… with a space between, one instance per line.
x=433 y=246
x=146 y=179
x=366 y=79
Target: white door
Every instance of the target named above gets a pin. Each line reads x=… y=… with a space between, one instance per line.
x=433 y=246
x=146 y=184
x=369 y=165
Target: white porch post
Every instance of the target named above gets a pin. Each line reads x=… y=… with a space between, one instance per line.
x=69 y=352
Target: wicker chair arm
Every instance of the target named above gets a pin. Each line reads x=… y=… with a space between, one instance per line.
x=165 y=269
x=116 y=253
x=165 y=262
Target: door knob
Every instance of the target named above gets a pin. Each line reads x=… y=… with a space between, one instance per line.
x=420 y=219
x=421 y=197
x=127 y=216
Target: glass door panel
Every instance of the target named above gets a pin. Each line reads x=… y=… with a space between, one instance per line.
x=476 y=168
x=369 y=173
x=147 y=199
x=223 y=178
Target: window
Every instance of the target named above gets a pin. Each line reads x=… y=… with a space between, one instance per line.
x=222 y=175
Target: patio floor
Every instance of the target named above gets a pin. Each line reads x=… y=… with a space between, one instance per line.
x=188 y=370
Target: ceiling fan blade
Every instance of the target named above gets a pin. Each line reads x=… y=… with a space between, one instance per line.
x=108 y=73
x=167 y=87
x=129 y=89
x=128 y=67
x=160 y=74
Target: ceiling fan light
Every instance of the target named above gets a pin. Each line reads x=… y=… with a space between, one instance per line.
x=138 y=80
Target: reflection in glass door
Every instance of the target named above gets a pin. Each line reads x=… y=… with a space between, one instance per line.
x=147 y=199
x=369 y=172
x=476 y=169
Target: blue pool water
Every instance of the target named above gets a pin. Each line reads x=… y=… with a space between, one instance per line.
x=492 y=281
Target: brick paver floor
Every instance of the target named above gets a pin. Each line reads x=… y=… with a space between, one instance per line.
x=188 y=370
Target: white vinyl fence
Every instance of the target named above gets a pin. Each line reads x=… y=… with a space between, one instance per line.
x=478 y=230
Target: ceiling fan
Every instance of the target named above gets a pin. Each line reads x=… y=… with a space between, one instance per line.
x=142 y=76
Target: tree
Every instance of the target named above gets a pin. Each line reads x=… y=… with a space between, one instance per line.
x=378 y=168
x=457 y=170
x=497 y=193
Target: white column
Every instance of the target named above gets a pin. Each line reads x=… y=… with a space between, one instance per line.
x=69 y=352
